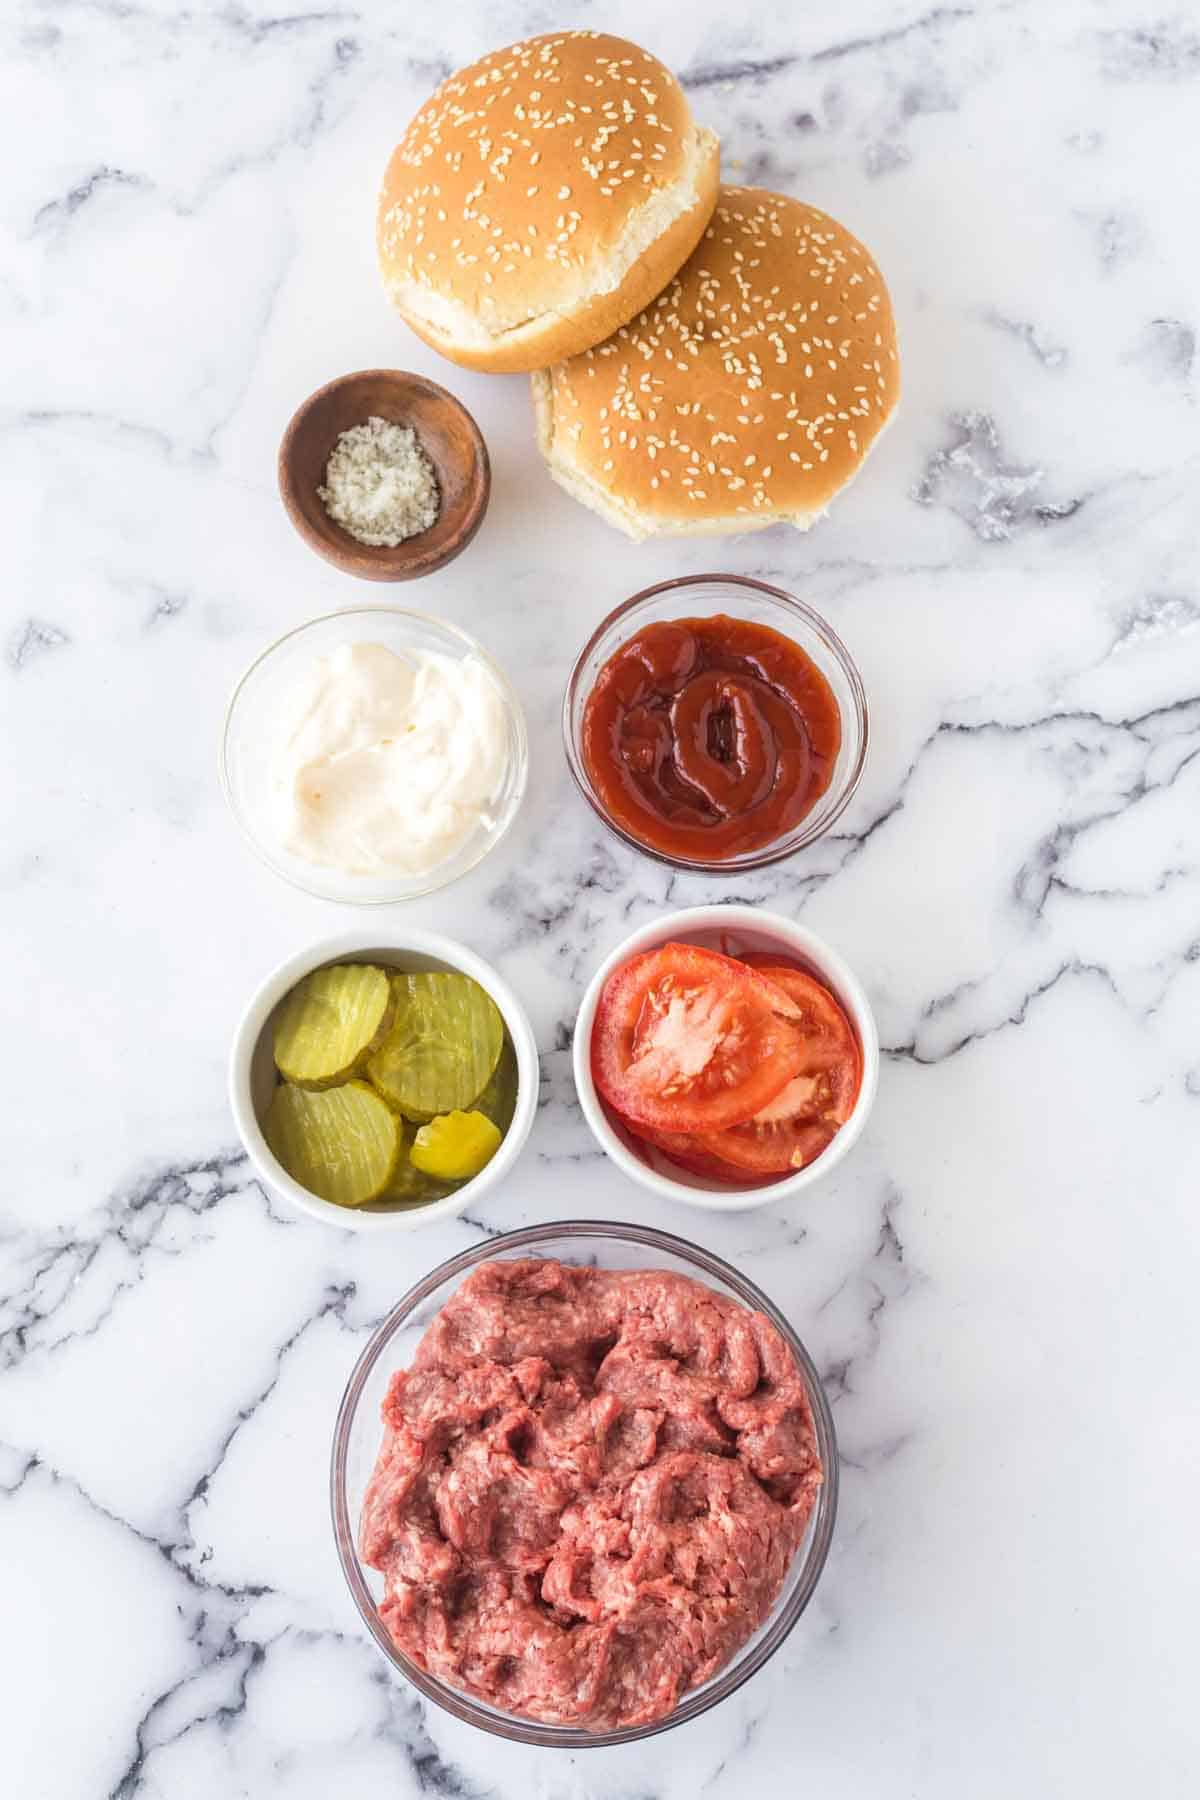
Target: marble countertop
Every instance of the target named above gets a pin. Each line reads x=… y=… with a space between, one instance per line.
x=999 y=1283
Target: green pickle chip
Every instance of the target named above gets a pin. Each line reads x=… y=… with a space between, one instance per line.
x=343 y=1144
x=330 y=1022
x=409 y=1186
x=367 y=1054
x=442 y=1048
x=498 y=1101
x=456 y=1145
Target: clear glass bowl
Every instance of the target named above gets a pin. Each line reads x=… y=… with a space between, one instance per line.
x=741 y=597
x=358 y=1433
x=262 y=695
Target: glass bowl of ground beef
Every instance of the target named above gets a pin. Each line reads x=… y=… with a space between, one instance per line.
x=584 y=1480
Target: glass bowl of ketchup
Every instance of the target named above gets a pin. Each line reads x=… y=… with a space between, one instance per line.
x=716 y=723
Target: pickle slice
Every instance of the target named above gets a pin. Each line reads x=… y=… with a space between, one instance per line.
x=498 y=1101
x=456 y=1145
x=409 y=1185
x=442 y=1048
x=343 y=1144
x=330 y=1022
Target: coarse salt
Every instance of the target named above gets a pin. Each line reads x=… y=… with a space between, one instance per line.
x=380 y=485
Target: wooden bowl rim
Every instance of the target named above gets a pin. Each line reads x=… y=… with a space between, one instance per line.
x=401 y=562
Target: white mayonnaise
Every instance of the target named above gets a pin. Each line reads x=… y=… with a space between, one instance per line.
x=388 y=762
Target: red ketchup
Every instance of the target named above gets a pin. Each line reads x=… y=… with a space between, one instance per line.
x=707 y=738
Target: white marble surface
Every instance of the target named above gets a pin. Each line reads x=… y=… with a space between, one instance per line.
x=1001 y=1281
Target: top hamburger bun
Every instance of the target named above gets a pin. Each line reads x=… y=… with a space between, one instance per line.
x=745 y=395
x=541 y=197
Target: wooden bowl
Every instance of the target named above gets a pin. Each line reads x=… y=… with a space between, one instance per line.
x=450 y=438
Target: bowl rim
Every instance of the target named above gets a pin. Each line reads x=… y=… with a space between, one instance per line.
x=514 y=712
x=830 y=964
x=779 y=850
x=253 y=1022
x=383 y=562
x=774 y=1631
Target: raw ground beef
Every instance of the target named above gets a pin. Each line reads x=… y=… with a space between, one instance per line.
x=589 y=1491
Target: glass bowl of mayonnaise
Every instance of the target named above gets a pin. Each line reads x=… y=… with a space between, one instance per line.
x=374 y=755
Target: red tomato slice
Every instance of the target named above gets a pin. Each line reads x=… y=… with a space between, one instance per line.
x=713 y=1168
x=791 y=1130
x=762 y=1150
x=685 y=1149
x=686 y=1039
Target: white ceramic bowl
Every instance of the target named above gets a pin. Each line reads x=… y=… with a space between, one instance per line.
x=262 y=700
x=736 y=928
x=252 y=1070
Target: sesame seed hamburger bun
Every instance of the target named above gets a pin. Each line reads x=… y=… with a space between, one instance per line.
x=745 y=395
x=541 y=197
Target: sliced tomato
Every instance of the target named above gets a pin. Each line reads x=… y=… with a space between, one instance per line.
x=686 y=1039
x=771 y=959
x=685 y=1149
x=713 y=1168
x=792 y=1129
x=762 y=1150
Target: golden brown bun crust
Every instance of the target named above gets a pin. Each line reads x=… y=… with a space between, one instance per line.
x=541 y=197
x=553 y=337
x=747 y=393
